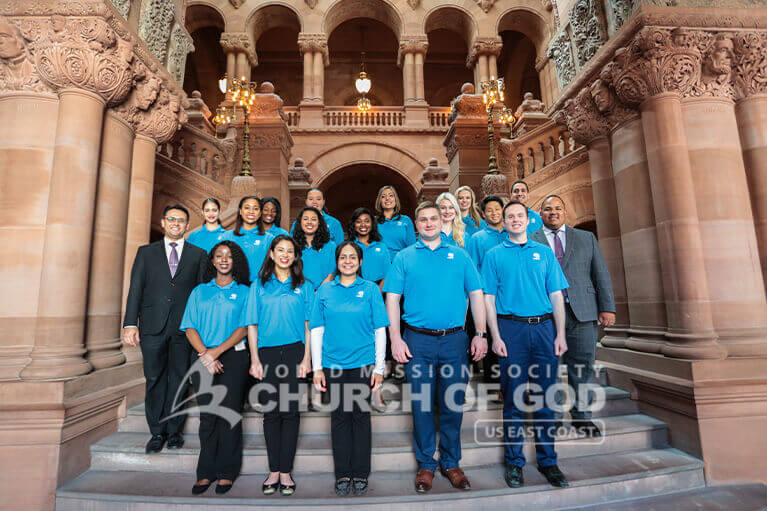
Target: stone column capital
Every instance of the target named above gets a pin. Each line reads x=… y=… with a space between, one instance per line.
x=239 y=42
x=483 y=46
x=583 y=119
x=152 y=110
x=411 y=44
x=314 y=43
x=749 y=64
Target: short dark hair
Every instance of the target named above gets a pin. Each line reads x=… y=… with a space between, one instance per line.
x=489 y=199
x=517 y=182
x=357 y=249
x=175 y=206
x=515 y=203
x=550 y=196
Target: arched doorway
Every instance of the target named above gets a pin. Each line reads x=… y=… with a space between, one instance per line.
x=356 y=185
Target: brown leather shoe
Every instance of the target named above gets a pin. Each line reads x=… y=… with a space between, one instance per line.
x=423 y=479
x=457 y=478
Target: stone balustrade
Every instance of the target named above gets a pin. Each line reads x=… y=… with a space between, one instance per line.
x=536 y=149
x=381 y=116
x=201 y=152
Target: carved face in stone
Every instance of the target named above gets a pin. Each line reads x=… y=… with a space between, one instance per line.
x=602 y=96
x=719 y=60
x=147 y=93
x=11 y=43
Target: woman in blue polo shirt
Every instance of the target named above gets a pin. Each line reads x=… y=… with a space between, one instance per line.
x=348 y=343
x=313 y=238
x=277 y=315
x=211 y=231
x=453 y=228
x=214 y=324
x=249 y=232
x=363 y=230
x=467 y=201
x=396 y=229
x=271 y=216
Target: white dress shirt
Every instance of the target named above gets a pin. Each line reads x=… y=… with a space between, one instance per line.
x=168 y=248
x=550 y=237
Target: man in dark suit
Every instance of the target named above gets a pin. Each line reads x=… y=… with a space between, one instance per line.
x=163 y=275
x=589 y=299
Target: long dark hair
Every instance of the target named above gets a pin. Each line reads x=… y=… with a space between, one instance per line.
x=272 y=200
x=296 y=269
x=357 y=249
x=259 y=223
x=321 y=237
x=240 y=268
x=352 y=233
x=218 y=205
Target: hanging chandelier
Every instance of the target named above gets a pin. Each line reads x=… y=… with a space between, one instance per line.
x=363 y=82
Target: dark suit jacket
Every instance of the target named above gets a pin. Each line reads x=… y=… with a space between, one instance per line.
x=155 y=299
x=591 y=290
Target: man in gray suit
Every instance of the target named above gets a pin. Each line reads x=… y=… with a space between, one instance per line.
x=589 y=299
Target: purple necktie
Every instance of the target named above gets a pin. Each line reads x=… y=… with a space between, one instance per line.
x=173 y=259
x=560 y=253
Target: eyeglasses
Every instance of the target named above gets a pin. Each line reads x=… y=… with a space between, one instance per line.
x=172 y=219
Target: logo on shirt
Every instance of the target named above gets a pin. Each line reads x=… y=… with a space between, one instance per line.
x=297 y=291
x=450 y=255
x=399 y=223
x=536 y=256
x=233 y=296
x=257 y=242
x=378 y=249
x=532 y=220
x=360 y=294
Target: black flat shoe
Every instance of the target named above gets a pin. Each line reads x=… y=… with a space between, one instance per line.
x=286 y=490
x=175 y=441
x=513 y=476
x=343 y=486
x=223 y=488
x=155 y=444
x=554 y=476
x=270 y=489
x=199 y=489
x=359 y=487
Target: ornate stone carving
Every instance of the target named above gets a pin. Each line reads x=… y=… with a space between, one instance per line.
x=561 y=52
x=239 y=42
x=608 y=104
x=236 y=3
x=750 y=69
x=122 y=6
x=17 y=72
x=414 y=4
x=589 y=34
x=434 y=174
x=485 y=5
x=152 y=110
x=154 y=26
x=617 y=12
x=298 y=174
x=313 y=43
x=583 y=119
x=180 y=46
x=716 y=67
x=530 y=105
x=267 y=104
x=495 y=184
x=483 y=46
x=412 y=44
x=311 y=3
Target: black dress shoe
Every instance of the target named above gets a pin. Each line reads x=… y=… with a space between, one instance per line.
x=175 y=441
x=554 y=476
x=586 y=427
x=155 y=444
x=223 y=488
x=513 y=476
x=199 y=489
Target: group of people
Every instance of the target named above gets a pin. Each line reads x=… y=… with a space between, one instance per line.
x=508 y=287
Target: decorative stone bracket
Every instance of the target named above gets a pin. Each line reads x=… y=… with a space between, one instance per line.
x=314 y=43
x=483 y=46
x=416 y=44
x=239 y=42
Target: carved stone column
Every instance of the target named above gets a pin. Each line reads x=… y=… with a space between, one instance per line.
x=239 y=45
x=410 y=57
x=314 y=48
x=482 y=57
x=434 y=181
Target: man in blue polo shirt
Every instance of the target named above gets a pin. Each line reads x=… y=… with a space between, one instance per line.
x=520 y=192
x=523 y=293
x=491 y=235
x=435 y=280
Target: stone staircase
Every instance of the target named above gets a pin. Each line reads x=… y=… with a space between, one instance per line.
x=632 y=461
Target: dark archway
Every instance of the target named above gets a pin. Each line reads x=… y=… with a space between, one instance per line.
x=357 y=185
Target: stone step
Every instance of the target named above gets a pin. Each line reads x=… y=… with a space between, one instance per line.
x=596 y=479
x=618 y=402
x=391 y=450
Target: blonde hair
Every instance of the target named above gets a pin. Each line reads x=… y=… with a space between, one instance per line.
x=379 y=208
x=459 y=228
x=473 y=210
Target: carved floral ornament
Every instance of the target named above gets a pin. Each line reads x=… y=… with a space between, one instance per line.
x=314 y=43
x=239 y=42
x=483 y=46
x=412 y=44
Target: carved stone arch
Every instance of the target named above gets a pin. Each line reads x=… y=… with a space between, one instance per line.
x=530 y=22
x=201 y=13
x=272 y=15
x=379 y=10
x=454 y=18
x=399 y=160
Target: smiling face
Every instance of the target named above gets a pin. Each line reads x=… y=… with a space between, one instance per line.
x=210 y=212
x=493 y=214
x=174 y=224
x=309 y=222
x=315 y=199
x=515 y=219
x=269 y=213
x=222 y=260
x=429 y=223
x=362 y=225
x=464 y=200
x=553 y=213
x=283 y=254
x=348 y=261
x=447 y=211
x=388 y=199
x=250 y=212
x=519 y=192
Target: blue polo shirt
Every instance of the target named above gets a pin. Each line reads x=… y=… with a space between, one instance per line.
x=375 y=260
x=279 y=311
x=435 y=284
x=448 y=239
x=535 y=221
x=255 y=246
x=215 y=311
x=319 y=264
x=472 y=228
x=397 y=233
x=206 y=239
x=276 y=230
x=481 y=243
x=334 y=226
x=350 y=316
x=521 y=277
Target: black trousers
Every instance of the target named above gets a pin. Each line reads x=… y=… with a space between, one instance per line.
x=221 y=441
x=166 y=362
x=281 y=417
x=350 y=429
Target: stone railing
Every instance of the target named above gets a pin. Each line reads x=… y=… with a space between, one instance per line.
x=377 y=117
x=292 y=115
x=535 y=150
x=201 y=152
x=438 y=116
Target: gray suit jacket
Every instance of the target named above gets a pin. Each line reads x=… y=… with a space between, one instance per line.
x=591 y=290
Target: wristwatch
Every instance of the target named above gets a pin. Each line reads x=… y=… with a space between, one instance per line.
x=481 y=334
